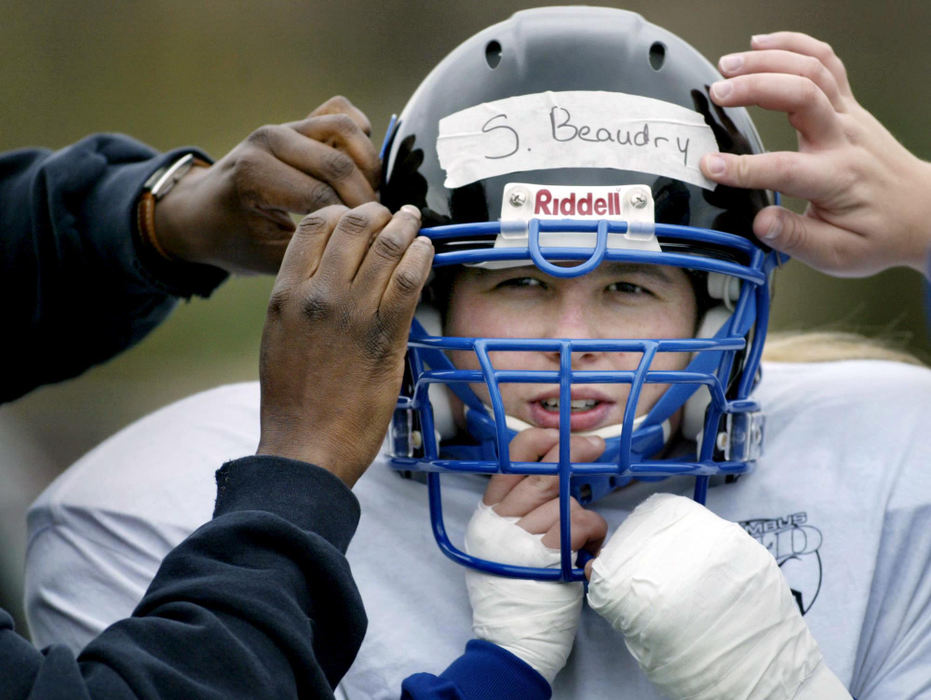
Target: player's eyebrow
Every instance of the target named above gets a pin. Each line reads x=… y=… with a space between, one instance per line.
x=662 y=273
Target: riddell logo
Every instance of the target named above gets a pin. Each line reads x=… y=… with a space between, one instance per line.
x=586 y=203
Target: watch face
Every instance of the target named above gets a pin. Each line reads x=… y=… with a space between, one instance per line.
x=164 y=179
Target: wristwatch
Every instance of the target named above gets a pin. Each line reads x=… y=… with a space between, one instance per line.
x=157 y=186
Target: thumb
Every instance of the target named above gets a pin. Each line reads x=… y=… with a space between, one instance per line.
x=813 y=242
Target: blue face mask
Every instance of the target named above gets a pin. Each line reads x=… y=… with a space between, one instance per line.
x=711 y=394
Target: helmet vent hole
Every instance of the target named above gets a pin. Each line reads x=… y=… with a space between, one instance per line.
x=657 y=55
x=493 y=54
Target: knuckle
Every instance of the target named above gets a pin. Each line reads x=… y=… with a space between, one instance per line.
x=546 y=485
x=378 y=342
x=407 y=282
x=317 y=305
x=338 y=102
x=741 y=170
x=808 y=90
x=313 y=224
x=278 y=301
x=321 y=195
x=816 y=70
x=342 y=124
x=337 y=166
x=824 y=50
x=388 y=246
x=793 y=233
x=262 y=137
x=355 y=222
x=851 y=129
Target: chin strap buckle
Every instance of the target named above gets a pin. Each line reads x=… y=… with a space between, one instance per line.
x=742 y=438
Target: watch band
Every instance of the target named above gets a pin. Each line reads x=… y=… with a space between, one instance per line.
x=157 y=186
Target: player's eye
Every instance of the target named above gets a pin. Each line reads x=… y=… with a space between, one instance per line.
x=519 y=283
x=629 y=288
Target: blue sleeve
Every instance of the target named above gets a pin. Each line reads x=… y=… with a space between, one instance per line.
x=76 y=288
x=484 y=672
x=257 y=603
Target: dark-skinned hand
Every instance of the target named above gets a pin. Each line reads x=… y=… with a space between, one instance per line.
x=335 y=336
x=235 y=215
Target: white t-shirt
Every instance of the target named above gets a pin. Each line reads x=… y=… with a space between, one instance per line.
x=841 y=497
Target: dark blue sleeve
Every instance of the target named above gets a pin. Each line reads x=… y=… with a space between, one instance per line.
x=257 y=603
x=484 y=672
x=76 y=290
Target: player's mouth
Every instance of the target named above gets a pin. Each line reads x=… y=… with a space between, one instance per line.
x=585 y=413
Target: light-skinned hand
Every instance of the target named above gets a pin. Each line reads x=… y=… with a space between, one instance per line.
x=869 y=197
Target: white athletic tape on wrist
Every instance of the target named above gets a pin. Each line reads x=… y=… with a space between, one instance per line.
x=534 y=620
x=703 y=607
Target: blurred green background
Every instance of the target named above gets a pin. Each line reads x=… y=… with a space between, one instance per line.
x=182 y=72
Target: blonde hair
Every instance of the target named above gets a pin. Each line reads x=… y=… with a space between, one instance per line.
x=829 y=346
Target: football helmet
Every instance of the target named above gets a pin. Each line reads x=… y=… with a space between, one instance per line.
x=565 y=137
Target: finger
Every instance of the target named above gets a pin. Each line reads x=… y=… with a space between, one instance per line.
x=588 y=531
x=775 y=61
x=320 y=162
x=816 y=243
x=306 y=247
x=403 y=290
x=794 y=174
x=527 y=446
x=545 y=517
x=536 y=489
x=499 y=485
x=340 y=105
x=341 y=132
x=350 y=240
x=808 y=108
x=530 y=445
x=386 y=251
x=266 y=180
x=807 y=46
x=529 y=493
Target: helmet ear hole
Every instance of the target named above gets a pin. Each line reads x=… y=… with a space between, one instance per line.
x=657 y=55
x=493 y=54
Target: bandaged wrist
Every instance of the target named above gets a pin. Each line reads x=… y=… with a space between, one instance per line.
x=703 y=607
x=534 y=620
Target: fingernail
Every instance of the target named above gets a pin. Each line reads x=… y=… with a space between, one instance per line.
x=721 y=89
x=411 y=209
x=730 y=63
x=774 y=230
x=715 y=164
x=759 y=39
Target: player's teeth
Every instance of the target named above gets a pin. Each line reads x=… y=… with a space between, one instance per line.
x=574 y=405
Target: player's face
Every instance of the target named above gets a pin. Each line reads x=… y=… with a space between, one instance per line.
x=614 y=301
